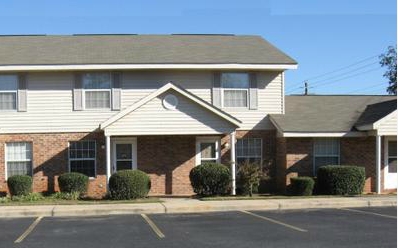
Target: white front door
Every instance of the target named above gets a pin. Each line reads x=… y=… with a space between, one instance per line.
x=124 y=154
x=390 y=159
x=207 y=150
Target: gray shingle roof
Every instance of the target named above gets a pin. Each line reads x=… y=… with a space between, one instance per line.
x=316 y=113
x=375 y=112
x=139 y=49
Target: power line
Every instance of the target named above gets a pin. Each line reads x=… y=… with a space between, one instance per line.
x=320 y=83
x=368 y=88
x=338 y=69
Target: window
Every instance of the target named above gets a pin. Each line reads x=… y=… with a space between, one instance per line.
x=207 y=150
x=326 y=152
x=97 y=90
x=235 y=89
x=8 y=92
x=392 y=156
x=249 y=149
x=19 y=158
x=82 y=157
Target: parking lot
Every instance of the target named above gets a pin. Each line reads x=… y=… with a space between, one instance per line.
x=353 y=227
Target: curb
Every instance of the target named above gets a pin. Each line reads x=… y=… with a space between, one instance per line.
x=193 y=206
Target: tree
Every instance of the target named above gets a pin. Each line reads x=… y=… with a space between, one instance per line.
x=249 y=174
x=389 y=60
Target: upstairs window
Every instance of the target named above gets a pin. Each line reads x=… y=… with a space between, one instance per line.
x=8 y=92
x=326 y=152
x=235 y=89
x=97 y=90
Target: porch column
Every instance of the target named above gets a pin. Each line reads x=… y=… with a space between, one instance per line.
x=233 y=164
x=378 y=163
x=108 y=159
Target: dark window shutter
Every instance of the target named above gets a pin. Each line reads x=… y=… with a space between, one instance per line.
x=78 y=92
x=216 y=90
x=116 y=90
x=253 y=92
x=22 y=93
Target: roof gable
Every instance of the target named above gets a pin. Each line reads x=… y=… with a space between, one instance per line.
x=186 y=94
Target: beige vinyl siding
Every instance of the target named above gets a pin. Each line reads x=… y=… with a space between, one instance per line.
x=50 y=102
x=388 y=127
x=153 y=119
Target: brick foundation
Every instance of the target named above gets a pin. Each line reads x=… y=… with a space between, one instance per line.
x=295 y=158
x=167 y=159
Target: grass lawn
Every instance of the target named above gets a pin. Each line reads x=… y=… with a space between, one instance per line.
x=50 y=200
x=265 y=197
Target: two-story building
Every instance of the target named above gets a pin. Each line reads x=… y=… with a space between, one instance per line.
x=163 y=104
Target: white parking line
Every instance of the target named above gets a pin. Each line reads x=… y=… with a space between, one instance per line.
x=275 y=221
x=367 y=212
x=29 y=230
x=153 y=226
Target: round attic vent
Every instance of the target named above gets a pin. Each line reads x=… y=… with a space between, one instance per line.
x=170 y=102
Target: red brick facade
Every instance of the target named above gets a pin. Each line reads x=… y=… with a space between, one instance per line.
x=295 y=158
x=167 y=159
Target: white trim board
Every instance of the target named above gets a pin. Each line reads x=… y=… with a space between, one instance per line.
x=324 y=134
x=145 y=66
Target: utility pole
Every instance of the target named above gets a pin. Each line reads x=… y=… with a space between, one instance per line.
x=305 y=88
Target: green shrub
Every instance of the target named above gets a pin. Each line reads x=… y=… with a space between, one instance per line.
x=19 y=185
x=340 y=180
x=302 y=186
x=66 y=196
x=248 y=178
x=210 y=179
x=129 y=184
x=73 y=182
x=31 y=197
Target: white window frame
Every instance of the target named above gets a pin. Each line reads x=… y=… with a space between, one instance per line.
x=6 y=158
x=11 y=91
x=387 y=175
x=236 y=148
x=324 y=155
x=235 y=89
x=83 y=159
x=215 y=140
x=97 y=90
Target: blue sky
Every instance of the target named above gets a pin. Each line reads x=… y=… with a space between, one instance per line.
x=323 y=36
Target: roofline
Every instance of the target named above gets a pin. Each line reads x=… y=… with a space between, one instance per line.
x=324 y=134
x=376 y=125
x=67 y=67
x=161 y=90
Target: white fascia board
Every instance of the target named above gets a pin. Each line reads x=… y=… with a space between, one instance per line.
x=324 y=134
x=145 y=66
x=158 y=92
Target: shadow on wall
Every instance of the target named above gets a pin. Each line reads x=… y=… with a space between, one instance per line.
x=171 y=157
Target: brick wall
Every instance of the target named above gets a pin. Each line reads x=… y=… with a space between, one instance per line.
x=50 y=159
x=295 y=158
x=168 y=161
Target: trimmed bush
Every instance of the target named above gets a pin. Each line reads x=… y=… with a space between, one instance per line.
x=19 y=185
x=210 y=179
x=266 y=185
x=248 y=178
x=73 y=182
x=302 y=186
x=129 y=184
x=340 y=180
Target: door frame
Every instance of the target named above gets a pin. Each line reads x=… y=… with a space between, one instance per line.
x=214 y=139
x=388 y=175
x=129 y=140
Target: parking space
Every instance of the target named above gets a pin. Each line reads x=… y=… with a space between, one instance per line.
x=357 y=227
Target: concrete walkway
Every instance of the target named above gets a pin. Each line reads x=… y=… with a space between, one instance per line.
x=186 y=205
